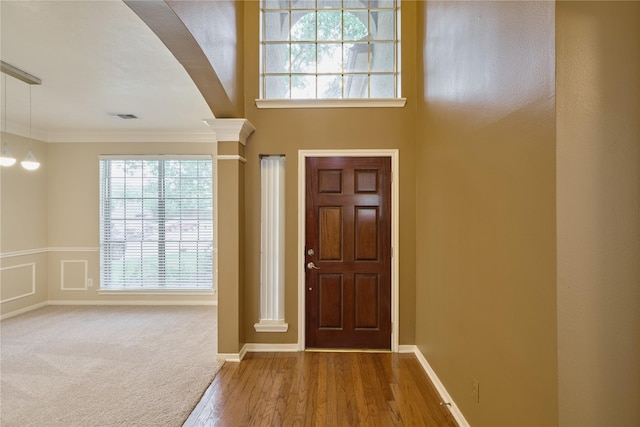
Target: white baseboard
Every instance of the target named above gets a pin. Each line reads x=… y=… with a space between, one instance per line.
x=102 y=302
x=272 y=348
x=130 y=302
x=23 y=310
x=442 y=391
x=258 y=348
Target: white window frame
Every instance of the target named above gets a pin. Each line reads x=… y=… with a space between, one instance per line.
x=264 y=102
x=204 y=287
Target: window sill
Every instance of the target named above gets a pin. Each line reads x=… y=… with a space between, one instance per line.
x=331 y=103
x=145 y=291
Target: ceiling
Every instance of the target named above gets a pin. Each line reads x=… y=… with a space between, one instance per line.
x=95 y=59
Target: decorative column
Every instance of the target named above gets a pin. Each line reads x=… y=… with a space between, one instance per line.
x=272 y=238
x=231 y=135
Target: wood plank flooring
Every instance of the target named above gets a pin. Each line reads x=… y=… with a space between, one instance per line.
x=321 y=389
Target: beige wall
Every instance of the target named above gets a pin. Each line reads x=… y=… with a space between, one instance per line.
x=598 y=152
x=73 y=217
x=486 y=265
x=286 y=132
x=217 y=27
x=23 y=227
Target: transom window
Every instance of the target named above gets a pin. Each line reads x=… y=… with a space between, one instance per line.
x=156 y=222
x=329 y=49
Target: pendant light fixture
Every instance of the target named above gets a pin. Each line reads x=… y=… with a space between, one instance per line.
x=6 y=157
x=30 y=162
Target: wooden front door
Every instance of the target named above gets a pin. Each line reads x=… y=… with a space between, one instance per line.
x=348 y=252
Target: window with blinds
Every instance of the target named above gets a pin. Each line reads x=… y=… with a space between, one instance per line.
x=156 y=223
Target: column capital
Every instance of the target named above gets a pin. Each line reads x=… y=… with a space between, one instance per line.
x=234 y=130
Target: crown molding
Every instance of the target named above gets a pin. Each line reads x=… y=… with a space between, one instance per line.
x=107 y=137
x=233 y=130
x=221 y=130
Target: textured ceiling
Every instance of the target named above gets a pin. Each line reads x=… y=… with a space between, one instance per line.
x=95 y=59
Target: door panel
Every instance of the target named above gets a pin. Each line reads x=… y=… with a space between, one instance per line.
x=348 y=252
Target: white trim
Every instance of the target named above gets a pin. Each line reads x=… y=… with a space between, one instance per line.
x=23 y=310
x=33 y=280
x=133 y=302
x=86 y=268
x=395 y=233
x=271 y=348
x=23 y=253
x=45 y=250
x=231 y=157
x=231 y=130
x=234 y=357
x=258 y=348
x=107 y=137
x=332 y=103
x=271 y=326
x=442 y=391
x=111 y=303
x=187 y=292
x=160 y=157
x=78 y=249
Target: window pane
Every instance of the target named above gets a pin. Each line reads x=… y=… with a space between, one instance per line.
x=383 y=4
x=303 y=4
x=356 y=58
x=276 y=58
x=356 y=86
x=276 y=26
x=276 y=87
x=383 y=86
x=303 y=58
x=330 y=86
x=329 y=25
x=303 y=26
x=383 y=25
x=355 y=25
x=356 y=4
x=382 y=57
x=329 y=4
x=275 y=4
x=329 y=57
x=303 y=87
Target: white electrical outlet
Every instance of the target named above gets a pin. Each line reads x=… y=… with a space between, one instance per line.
x=89 y=282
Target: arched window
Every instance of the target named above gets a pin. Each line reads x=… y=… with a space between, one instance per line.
x=329 y=49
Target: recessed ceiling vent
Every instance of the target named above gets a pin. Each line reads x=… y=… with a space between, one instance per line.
x=125 y=116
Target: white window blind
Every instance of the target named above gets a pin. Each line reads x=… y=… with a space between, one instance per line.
x=156 y=222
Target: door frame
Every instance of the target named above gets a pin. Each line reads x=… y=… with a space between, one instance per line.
x=395 y=229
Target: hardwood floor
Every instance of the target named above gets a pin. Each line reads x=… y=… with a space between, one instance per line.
x=321 y=389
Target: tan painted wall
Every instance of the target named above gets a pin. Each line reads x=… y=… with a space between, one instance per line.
x=73 y=219
x=286 y=132
x=598 y=152
x=217 y=27
x=23 y=226
x=486 y=264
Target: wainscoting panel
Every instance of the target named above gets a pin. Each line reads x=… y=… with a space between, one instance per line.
x=18 y=281
x=73 y=275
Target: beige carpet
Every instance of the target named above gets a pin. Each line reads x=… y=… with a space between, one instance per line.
x=105 y=366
